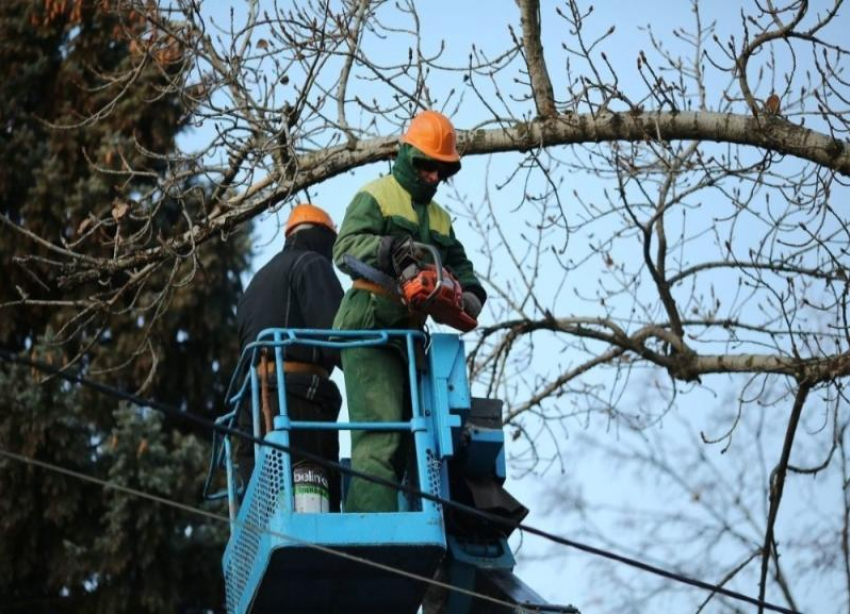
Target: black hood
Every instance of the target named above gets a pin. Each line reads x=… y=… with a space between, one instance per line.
x=316 y=239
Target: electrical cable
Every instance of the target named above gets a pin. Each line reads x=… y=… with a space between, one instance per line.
x=78 y=378
x=109 y=485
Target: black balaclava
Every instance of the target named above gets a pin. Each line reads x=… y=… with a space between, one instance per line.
x=317 y=239
x=404 y=170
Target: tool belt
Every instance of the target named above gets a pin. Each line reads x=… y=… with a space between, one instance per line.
x=371 y=286
x=417 y=320
x=302 y=368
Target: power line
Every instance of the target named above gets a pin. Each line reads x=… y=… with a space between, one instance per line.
x=109 y=485
x=78 y=378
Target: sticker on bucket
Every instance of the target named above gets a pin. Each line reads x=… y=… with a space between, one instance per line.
x=312 y=493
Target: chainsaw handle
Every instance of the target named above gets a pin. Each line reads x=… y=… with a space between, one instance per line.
x=438 y=264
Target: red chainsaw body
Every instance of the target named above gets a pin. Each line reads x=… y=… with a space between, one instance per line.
x=424 y=291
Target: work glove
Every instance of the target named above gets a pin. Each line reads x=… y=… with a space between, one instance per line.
x=387 y=250
x=471 y=304
x=396 y=254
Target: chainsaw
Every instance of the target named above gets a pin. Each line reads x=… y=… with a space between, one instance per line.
x=424 y=287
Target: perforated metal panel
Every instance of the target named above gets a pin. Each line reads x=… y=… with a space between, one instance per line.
x=432 y=485
x=262 y=502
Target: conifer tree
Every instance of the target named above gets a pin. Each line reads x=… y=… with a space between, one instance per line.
x=70 y=130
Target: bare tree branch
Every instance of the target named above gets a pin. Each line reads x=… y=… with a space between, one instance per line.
x=777 y=484
x=541 y=85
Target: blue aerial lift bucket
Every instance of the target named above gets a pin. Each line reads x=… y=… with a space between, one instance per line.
x=281 y=561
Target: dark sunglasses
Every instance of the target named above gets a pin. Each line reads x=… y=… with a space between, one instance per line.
x=432 y=166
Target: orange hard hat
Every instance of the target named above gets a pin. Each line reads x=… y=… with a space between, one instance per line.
x=308 y=214
x=433 y=134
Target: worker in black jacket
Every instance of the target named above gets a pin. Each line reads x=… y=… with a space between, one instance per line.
x=297 y=289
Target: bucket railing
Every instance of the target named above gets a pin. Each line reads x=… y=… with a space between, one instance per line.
x=277 y=340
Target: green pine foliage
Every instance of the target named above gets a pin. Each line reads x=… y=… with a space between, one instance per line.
x=68 y=546
x=155 y=556
x=45 y=518
x=73 y=546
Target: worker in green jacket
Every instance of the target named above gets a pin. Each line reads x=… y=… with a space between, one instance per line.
x=383 y=216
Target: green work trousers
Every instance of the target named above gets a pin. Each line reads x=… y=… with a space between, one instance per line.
x=377 y=391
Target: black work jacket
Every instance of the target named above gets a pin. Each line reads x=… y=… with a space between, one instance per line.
x=296 y=289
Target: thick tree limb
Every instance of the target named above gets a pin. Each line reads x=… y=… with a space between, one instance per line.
x=684 y=364
x=820 y=369
x=773 y=134
x=541 y=85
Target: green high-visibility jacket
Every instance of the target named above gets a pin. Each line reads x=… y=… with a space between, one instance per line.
x=385 y=207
